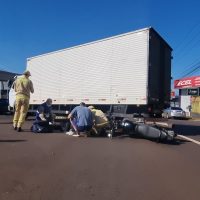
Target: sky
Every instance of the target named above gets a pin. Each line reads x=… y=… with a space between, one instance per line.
x=33 y=27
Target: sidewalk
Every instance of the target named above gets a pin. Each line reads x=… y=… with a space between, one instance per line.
x=194 y=117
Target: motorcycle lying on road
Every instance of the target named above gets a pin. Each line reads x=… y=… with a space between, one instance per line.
x=133 y=127
x=138 y=128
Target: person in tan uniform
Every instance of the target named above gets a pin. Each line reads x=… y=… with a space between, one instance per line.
x=23 y=86
x=100 y=120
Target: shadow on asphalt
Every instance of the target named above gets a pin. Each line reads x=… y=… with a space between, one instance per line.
x=13 y=141
x=176 y=141
x=186 y=129
x=5 y=122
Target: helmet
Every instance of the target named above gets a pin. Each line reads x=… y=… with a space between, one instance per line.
x=128 y=127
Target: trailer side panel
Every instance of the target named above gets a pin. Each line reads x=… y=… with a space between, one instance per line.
x=110 y=71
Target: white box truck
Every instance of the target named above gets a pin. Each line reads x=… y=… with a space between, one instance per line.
x=128 y=73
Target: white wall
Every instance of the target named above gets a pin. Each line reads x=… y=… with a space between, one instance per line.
x=185 y=102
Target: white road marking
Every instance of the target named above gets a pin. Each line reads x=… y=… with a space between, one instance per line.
x=189 y=139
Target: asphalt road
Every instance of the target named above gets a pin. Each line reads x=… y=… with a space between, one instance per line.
x=190 y=128
x=59 y=167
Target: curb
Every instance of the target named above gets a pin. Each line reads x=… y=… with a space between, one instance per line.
x=194 y=119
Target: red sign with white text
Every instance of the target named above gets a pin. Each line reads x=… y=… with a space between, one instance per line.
x=190 y=82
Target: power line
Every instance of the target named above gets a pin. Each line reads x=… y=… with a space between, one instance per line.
x=187 y=35
x=190 y=68
x=185 y=51
x=192 y=71
x=182 y=48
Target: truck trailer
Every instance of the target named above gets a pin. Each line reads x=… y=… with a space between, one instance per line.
x=126 y=74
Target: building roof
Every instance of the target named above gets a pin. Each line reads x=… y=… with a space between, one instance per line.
x=4 y=75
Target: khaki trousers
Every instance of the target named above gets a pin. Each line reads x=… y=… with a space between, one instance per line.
x=98 y=127
x=21 y=109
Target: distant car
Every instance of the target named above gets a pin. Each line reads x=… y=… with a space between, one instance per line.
x=173 y=112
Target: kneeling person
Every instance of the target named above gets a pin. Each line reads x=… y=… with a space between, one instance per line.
x=81 y=119
x=100 y=120
x=44 y=118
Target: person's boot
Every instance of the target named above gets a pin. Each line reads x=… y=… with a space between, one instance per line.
x=19 y=129
x=14 y=127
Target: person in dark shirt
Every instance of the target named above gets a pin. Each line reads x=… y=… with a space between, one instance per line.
x=44 y=111
x=44 y=118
